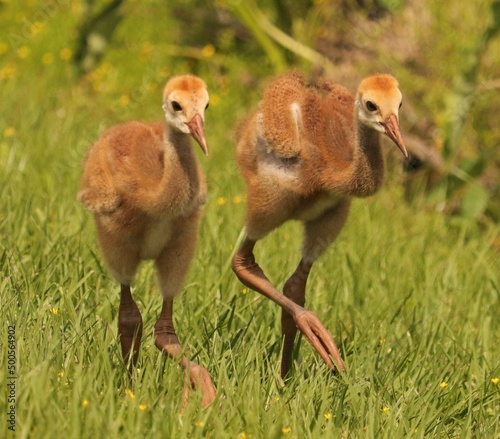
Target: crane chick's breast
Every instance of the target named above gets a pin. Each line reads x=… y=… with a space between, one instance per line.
x=280 y=171
x=155 y=238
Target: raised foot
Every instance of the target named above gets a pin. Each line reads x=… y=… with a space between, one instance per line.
x=196 y=376
x=320 y=338
x=199 y=378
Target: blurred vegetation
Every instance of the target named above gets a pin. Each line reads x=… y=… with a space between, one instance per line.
x=447 y=62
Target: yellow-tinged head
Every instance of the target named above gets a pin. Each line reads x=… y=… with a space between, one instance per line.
x=378 y=101
x=185 y=99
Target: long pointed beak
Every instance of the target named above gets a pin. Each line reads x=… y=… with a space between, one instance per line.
x=392 y=131
x=197 y=131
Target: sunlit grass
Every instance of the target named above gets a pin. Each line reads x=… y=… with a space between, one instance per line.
x=411 y=296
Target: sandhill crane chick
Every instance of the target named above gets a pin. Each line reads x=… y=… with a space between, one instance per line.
x=309 y=148
x=145 y=189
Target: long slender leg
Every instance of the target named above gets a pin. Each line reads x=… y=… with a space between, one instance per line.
x=129 y=326
x=166 y=340
x=294 y=289
x=172 y=265
x=251 y=275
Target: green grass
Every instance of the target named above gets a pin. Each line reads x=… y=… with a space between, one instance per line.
x=411 y=296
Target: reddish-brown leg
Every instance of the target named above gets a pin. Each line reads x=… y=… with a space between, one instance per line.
x=294 y=289
x=251 y=275
x=166 y=340
x=129 y=326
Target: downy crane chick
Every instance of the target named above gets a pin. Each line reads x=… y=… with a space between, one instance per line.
x=307 y=150
x=143 y=184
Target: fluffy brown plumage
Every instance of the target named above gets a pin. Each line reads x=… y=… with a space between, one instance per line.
x=142 y=183
x=307 y=150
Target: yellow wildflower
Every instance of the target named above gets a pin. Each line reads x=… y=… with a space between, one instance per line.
x=85 y=403
x=244 y=291
x=443 y=385
x=214 y=99
x=61 y=374
x=143 y=407
x=130 y=394
x=237 y=199
x=385 y=409
x=124 y=100
x=286 y=430
x=243 y=435
x=54 y=311
x=328 y=416
x=495 y=380
x=7 y=72
x=200 y=424
x=23 y=52
x=37 y=27
x=9 y=132
x=66 y=54
x=208 y=51
x=221 y=201
x=47 y=58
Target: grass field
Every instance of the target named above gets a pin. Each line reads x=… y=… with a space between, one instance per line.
x=411 y=296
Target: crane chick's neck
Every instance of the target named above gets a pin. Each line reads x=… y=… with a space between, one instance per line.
x=368 y=166
x=175 y=139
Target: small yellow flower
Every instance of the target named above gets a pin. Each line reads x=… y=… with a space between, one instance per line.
x=286 y=430
x=214 y=99
x=276 y=398
x=200 y=424
x=37 y=27
x=243 y=435
x=208 y=51
x=124 y=100
x=165 y=72
x=7 y=72
x=66 y=54
x=9 y=132
x=47 y=58
x=495 y=380
x=385 y=409
x=61 y=374
x=54 y=311
x=381 y=341
x=221 y=201
x=443 y=385
x=4 y=48
x=147 y=49
x=143 y=407
x=237 y=199
x=130 y=394
x=328 y=416
x=23 y=52
x=85 y=403
x=244 y=291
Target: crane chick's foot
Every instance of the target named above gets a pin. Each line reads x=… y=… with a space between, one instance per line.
x=129 y=327
x=251 y=275
x=320 y=338
x=197 y=377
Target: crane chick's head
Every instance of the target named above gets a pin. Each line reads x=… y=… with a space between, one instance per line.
x=378 y=102
x=185 y=99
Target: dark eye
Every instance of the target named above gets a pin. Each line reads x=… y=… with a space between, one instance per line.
x=206 y=106
x=371 y=106
x=176 y=106
x=401 y=104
